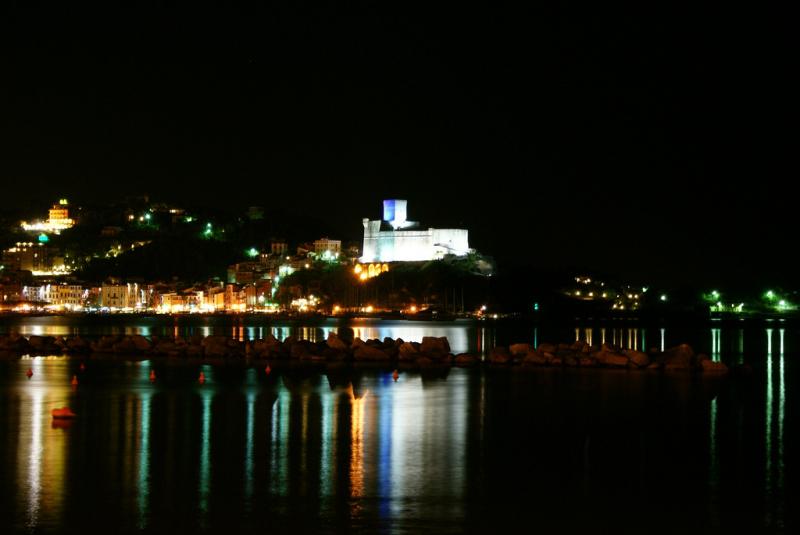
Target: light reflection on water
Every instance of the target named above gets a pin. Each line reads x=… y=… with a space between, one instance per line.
x=250 y=438
x=280 y=446
x=774 y=432
x=206 y=395
x=413 y=451
x=34 y=463
x=143 y=483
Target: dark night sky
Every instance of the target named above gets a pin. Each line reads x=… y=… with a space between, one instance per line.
x=642 y=143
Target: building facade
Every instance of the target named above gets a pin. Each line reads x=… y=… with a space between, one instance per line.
x=58 y=219
x=323 y=245
x=28 y=256
x=396 y=239
x=122 y=296
x=64 y=295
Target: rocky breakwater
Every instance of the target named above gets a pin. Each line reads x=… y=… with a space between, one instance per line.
x=344 y=347
x=582 y=355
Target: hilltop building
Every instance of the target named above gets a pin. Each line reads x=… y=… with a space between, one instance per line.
x=396 y=239
x=58 y=219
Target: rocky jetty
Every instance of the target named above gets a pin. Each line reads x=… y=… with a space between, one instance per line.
x=581 y=354
x=344 y=347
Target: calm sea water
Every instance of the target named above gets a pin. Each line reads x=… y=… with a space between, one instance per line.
x=341 y=450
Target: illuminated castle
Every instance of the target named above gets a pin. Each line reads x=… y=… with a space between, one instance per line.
x=396 y=239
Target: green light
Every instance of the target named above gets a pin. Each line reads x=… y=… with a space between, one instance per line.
x=252 y=252
x=782 y=303
x=43 y=238
x=770 y=294
x=663 y=297
x=188 y=219
x=715 y=294
x=147 y=216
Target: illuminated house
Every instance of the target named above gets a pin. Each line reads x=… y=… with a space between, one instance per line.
x=70 y=296
x=396 y=239
x=57 y=221
x=117 y=296
x=323 y=245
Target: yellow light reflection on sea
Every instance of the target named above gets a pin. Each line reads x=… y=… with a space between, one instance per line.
x=357 y=445
x=34 y=465
x=42 y=444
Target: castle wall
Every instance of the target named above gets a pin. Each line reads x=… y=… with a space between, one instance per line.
x=409 y=245
x=450 y=241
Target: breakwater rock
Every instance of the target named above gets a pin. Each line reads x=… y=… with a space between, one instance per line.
x=345 y=347
x=581 y=354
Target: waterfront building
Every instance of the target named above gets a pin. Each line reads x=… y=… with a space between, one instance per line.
x=396 y=239
x=215 y=299
x=117 y=296
x=11 y=291
x=172 y=302
x=65 y=295
x=70 y=296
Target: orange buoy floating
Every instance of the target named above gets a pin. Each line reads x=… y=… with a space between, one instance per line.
x=268 y=370
x=396 y=376
x=83 y=367
x=202 y=378
x=29 y=373
x=152 y=376
x=74 y=381
x=63 y=413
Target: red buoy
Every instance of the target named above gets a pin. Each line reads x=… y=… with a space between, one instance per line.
x=74 y=381
x=202 y=378
x=29 y=373
x=152 y=376
x=396 y=376
x=83 y=367
x=268 y=370
x=63 y=413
